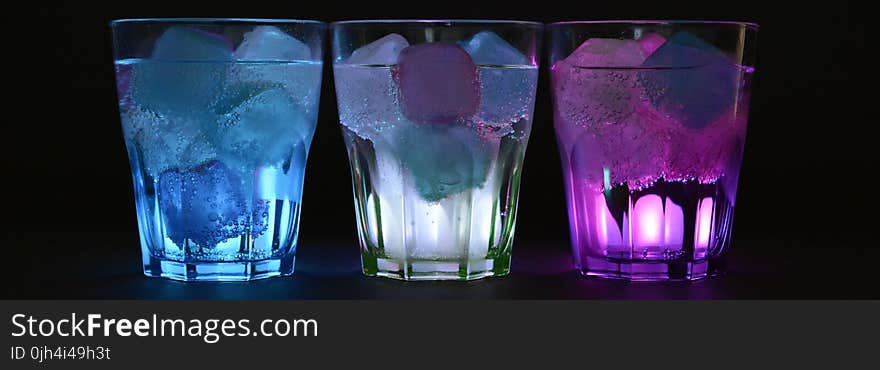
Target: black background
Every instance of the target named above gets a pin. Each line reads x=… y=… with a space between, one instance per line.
x=805 y=207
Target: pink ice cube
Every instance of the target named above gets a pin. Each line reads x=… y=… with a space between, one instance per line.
x=651 y=42
x=437 y=83
x=600 y=52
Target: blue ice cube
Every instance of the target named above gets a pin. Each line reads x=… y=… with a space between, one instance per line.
x=487 y=48
x=271 y=43
x=284 y=60
x=507 y=93
x=206 y=206
x=693 y=83
x=260 y=125
x=184 y=73
x=168 y=141
x=185 y=43
x=443 y=160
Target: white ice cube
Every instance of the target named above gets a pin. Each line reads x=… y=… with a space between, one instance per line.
x=383 y=51
x=263 y=129
x=367 y=96
x=366 y=99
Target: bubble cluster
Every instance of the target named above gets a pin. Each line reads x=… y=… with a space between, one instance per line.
x=206 y=206
x=627 y=114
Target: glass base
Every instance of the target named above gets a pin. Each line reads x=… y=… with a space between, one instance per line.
x=415 y=270
x=219 y=271
x=652 y=270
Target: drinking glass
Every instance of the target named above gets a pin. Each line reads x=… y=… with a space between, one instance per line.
x=218 y=116
x=650 y=118
x=436 y=115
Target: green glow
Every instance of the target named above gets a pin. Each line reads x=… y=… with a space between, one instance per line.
x=606 y=174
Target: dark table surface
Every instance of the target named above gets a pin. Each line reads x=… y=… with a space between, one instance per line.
x=110 y=269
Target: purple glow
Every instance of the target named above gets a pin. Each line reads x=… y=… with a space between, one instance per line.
x=608 y=231
x=673 y=225
x=704 y=222
x=651 y=170
x=647 y=221
x=657 y=225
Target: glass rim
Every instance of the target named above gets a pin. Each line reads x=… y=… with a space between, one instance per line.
x=215 y=21
x=437 y=21
x=751 y=25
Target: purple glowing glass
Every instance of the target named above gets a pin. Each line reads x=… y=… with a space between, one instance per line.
x=650 y=119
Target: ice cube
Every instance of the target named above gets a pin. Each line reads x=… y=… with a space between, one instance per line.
x=487 y=48
x=592 y=86
x=167 y=141
x=263 y=128
x=507 y=97
x=206 y=206
x=290 y=65
x=185 y=43
x=607 y=53
x=507 y=94
x=630 y=152
x=367 y=100
x=185 y=72
x=636 y=152
x=442 y=160
x=367 y=95
x=650 y=42
x=271 y=43
x=702 y=153
x=692 y=83
x=383 y=51
x=437 y=82
x=404 y=223
x=436 y=226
